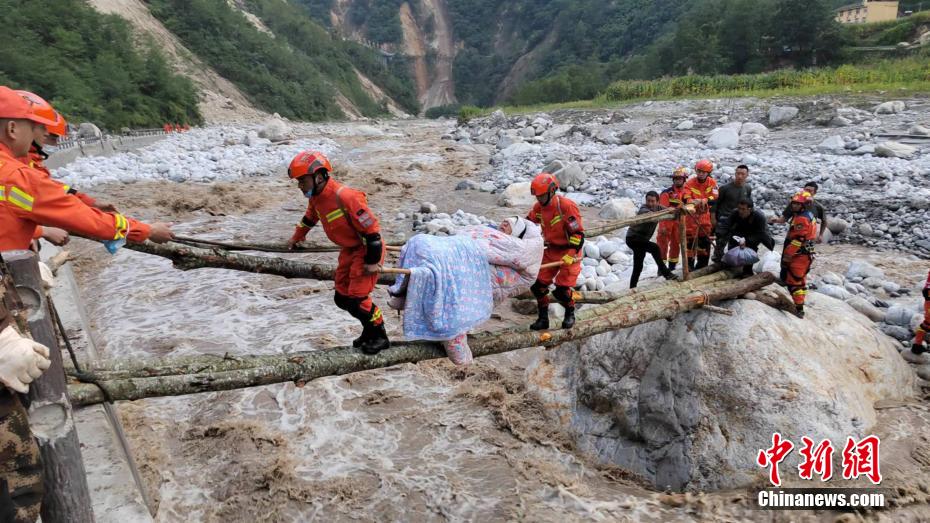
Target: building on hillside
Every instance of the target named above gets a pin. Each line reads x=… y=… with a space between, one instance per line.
x=867 y=11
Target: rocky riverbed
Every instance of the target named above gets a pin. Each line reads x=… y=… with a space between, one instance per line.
x=432 y=442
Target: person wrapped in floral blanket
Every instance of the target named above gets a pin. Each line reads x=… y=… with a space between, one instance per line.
x=456 y=281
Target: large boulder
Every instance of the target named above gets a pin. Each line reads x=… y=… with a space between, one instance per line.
x=520 y=149
x=779 y=115
x=867 y=309
x=569 y=174
x=894 y=107
x=517 y=195
x=894 y=150
x=618 y=209
x=723 y=138
x=275 y=130
x=754 y=128
x=688 y=403
x=832 y=144
x=860 y=270
x=88 y=130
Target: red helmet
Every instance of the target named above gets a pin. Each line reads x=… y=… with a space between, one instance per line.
x=308 y=162
x=543 y=184
x=802 y=197
x=680 y=172
x=705 y=166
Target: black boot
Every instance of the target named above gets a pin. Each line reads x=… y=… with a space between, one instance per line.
x=702 y=261
x=669 y=275
x=800 y=313
x=672 y=265
x=377 y=340
x=569 y=320
x=542 y=322
x=357 y=342
x=918 y=348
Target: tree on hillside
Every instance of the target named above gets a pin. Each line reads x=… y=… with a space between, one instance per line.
x=807 y=31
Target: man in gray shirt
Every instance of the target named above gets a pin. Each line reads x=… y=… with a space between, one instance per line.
x=729 y=197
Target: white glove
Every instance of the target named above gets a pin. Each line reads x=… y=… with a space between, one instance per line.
x=48 y=277
x=21 y=360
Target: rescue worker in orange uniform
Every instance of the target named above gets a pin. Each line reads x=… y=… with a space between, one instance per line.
x=918 y=346
x=669 y=237
x=350 y=224
x=702 y=190
x=563 y=232
x=28 y=198
x=799 y=249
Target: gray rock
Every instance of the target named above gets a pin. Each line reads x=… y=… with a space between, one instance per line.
x=834 y=291
x=837 y=225
x=519 y=149
x=895 y=331
x=517 y=195
x=832 y=144
x=592 y=251
x=891 y=287
x=779 y=115
x=919 y=130
x=664 y=399
x=528 y=132
x=571 y=175
x=873 y=283
x=557 y=131
x=88 y=130
x=625 y=152
x=498 y=119
x=723 y=138
x=465 y=185
x=863 y=270
x=866 y=230
x=894 y=150
x=864 y=150
x=686 y=125
x=428 y=208
x=607 y=248
x=618 y=258
x=840 y=121
x=618 y=209
x=275 y=130
x=831 y=278
x=863 y=306
x=754 y=128
x=898 y=315
x=894 y=107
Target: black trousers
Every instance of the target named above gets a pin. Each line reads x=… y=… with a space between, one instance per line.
x=640 y=249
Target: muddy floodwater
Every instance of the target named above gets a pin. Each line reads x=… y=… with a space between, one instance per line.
x=426 y=442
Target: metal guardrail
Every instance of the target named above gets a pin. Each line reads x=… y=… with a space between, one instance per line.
x=106 y=139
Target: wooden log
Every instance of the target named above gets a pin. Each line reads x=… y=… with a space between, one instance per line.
x=67 y=496
x=275 y=247
x=683 y=248
x=657 y=216
x=307 y=366
x=185 y=258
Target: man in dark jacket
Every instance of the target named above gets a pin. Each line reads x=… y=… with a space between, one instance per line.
x=750 y=225
x=729 y=197
x=639 y=239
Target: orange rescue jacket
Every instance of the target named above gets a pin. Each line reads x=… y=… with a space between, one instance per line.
x=560 y=221
x=344 y=213
x=28 y=199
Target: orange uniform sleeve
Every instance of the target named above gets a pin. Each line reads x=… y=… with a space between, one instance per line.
x=573 y=223
x=306 y=223
x=363 y=220
x=88 y=200
x=41 y=200
x=39 y=232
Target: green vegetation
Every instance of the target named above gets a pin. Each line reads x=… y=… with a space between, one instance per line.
x=297 y=73
x=889 y=74
x=336 y=59
x=467 y=112
x=86 y=65
x=381 y=19
x=887 y=33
